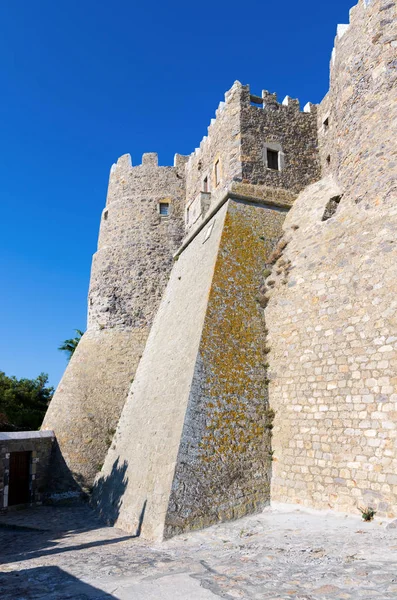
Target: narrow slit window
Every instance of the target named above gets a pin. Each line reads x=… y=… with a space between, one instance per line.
x=164 y=209
x=326 y=124
x=205 y=184
x=217 y=173
x=105 y=215
x=273 y=160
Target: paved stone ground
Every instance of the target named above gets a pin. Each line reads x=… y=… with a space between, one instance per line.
x=66 y=553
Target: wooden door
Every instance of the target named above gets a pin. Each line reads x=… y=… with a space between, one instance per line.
x=18 y=491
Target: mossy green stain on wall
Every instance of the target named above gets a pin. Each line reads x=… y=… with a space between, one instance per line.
x=233 y=338
x=223 y=470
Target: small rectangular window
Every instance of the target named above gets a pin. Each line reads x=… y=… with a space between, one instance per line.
x=164 y=209
x=217 y=173
x=326 y=124
x=272 y=160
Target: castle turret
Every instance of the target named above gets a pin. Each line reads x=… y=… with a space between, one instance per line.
x=198 y=407
x=256 y=145
x=141 y=227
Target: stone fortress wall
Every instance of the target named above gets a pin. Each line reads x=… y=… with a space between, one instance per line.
x=155 y=410
x=220 y=147
x=332 y=327
x=193 y=462
x=129 y=272
x=356 y=119
x=329 y=323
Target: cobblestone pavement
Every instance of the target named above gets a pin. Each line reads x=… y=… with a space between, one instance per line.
x=66 y=553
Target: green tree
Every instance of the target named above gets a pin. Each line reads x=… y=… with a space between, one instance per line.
x=69 y=346
x=23 y=402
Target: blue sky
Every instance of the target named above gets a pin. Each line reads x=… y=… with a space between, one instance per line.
x=84 y=82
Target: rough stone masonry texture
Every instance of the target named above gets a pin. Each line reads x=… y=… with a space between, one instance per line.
x=333 y=324
x=202 y=322
x=201 y=450
x=129 y=272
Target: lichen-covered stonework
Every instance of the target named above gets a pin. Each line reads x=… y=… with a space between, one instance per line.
x=224 y=461
x=198 y=408
x=177 y=334
x=135 y=482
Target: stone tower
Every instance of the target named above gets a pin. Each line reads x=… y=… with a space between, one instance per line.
x=193 y=443
x=141 y=227
x=251 y=285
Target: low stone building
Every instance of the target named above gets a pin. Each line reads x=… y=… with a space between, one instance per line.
x=24 y=467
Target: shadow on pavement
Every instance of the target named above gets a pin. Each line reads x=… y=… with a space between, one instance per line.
x=46 y=530
x=51 y=583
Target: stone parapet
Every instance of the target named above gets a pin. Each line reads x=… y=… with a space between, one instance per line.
x=255 y=194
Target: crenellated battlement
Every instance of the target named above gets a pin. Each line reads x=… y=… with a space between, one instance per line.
x=149 y=160
x=130 y=181
x=268 y=101
x=241 y=94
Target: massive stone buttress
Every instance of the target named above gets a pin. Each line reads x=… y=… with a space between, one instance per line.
x=193 y=445
x=129 y=273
